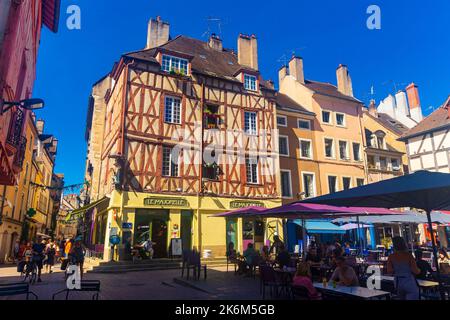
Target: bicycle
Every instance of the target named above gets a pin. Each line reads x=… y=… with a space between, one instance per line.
x=29 y=272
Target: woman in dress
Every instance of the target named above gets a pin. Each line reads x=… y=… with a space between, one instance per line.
x=403 y=266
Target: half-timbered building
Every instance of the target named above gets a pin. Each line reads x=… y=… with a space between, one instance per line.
x=180 y=131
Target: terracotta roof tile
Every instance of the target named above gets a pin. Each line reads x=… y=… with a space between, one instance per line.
x=205 y=59
x=328 y=89
x=438 y=119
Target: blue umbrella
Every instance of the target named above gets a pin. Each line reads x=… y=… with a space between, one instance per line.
x=429 y=191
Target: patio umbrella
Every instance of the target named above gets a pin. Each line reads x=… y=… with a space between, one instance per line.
x=239 y=213
x=429 y=191
x=305 y=211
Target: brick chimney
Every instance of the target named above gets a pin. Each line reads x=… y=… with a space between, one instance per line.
x=296 y=69
x=373 y=108
x=414 y=102
x=40 y=126
x=344 y=81
x=158 y=33
x=215 y=42
x=248 y=51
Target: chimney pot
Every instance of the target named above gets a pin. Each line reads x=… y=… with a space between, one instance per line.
x=215 y=42
x=158 y=33
x=282 y=73
x=248 y=51
x=373 y=108
x=296 y=69
x=344 y=81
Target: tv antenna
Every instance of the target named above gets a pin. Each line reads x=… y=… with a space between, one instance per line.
x=395 y=85
x=218 y=22
x=288 y=54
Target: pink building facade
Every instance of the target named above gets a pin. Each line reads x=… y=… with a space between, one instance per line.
x=20 y=33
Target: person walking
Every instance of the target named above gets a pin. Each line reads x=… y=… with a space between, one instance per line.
x=78 y=252
x=38 y=256
x=16 y=250
x=403 y=266
x=50 y=251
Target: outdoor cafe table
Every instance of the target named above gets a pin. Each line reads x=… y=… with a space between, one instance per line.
x=422 y=283
x=353 y=292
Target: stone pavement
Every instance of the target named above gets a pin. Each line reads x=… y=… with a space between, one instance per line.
x=147 y=285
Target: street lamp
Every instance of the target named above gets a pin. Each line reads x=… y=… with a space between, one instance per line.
x=27 y=104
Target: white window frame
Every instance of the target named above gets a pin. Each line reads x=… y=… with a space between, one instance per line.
x=333 y=149
x=345 y=119
x=331 y=117
x=174 y=64
x=314 y=183
x=290 y=184
x=336 y=186
x=285 y=121
x=174 y=117
x=249 y=130
x=287 y=145
x=306 y=121
x=251 y=161
x=347 y=153
x=250 y=82
x=351 y=182
x=360 y=152
x=310 y=148
x=172 y=165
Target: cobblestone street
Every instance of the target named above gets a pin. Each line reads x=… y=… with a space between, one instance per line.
x=146 y=285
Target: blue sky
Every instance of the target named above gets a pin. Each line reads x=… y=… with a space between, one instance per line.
x=412 y=46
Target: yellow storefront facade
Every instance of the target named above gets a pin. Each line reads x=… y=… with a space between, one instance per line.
x=189 y=218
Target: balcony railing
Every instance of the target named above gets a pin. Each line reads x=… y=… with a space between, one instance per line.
x=20 y=154
x=15 y=130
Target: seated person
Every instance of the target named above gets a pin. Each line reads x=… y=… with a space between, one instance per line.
x=250 y=258
x=265 y=254
x=312 y=256
x=283 y=257
x=424 y=266
x=303 y=279
x=231 y=252
x=444 y=262
x=344 y=275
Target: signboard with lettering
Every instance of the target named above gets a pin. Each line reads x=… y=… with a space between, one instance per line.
x=245 y=204
x=166 y=202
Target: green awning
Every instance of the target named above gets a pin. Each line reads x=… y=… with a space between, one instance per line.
x=78 y=213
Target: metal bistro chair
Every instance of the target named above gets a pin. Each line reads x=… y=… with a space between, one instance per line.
x=86 y=286
x=15 y=289
x=268 y=279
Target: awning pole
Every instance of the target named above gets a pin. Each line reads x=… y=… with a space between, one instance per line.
x=435 y=254
x=359 y=237
x=304 y=239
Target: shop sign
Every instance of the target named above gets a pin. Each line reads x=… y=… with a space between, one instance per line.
x=166 y=202
x=245 y=204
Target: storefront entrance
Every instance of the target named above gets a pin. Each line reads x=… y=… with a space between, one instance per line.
x=152 y=224
x=253 y=232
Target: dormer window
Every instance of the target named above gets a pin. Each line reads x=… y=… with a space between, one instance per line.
x=250 y=82
x=174 y=65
